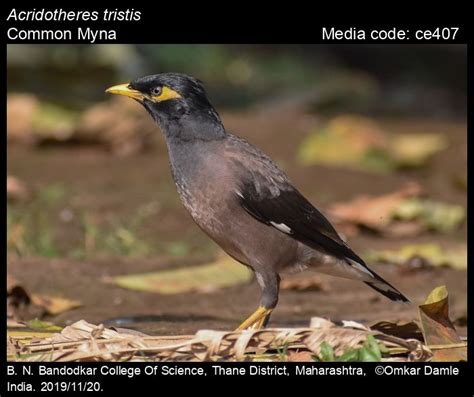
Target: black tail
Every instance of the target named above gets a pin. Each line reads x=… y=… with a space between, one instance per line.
x=380 y=285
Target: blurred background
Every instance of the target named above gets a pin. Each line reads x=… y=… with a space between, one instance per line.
x=374 y=135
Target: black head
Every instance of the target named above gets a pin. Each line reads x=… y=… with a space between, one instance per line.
x=178 y=103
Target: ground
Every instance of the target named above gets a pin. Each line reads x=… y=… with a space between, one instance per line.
x=223 y=310
x=114 y=186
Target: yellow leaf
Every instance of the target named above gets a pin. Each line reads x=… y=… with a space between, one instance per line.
x=438 y=294
x=53 y=304
x=437 y=328
x=412 y=150
x=434 y=255
x=222 y=273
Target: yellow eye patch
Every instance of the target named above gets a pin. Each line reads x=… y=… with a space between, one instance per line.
x=166 y=94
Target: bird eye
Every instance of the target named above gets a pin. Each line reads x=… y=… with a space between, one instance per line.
x=156 y=91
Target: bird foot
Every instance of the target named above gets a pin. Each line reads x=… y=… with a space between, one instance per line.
x=256 y=320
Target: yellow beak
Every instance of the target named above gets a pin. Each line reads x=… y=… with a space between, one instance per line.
x=123 y=89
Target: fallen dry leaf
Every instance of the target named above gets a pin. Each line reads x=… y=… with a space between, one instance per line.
x=82 y=341
x=15 y=324
x=223 y=272
x=438 y=330
x=401 y=213
x=420 y=256
x=21 y=304
x=20 y=335
x=432 y=215
x=414 y=150
x=373 y=211
x=348 y=141
x=32 y=121
x=54 y=305
x=360 y=143
x=117 y=124
x=409 y=330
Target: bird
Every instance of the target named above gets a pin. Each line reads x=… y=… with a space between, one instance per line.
x=240 y=198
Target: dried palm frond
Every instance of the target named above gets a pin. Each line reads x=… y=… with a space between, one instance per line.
x=82 y=341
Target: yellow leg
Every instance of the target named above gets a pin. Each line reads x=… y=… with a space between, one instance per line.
x=256 y=320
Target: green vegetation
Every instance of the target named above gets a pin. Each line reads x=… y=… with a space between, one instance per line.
x=45 y=227
x=371 y=351
x=29 y=231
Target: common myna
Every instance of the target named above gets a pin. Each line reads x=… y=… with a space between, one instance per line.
x=240 y=198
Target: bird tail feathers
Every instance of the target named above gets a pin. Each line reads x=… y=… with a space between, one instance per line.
x=376 y=282
x=387 y=290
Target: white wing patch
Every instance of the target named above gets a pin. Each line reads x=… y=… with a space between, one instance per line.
x=360 y=267
x=281 y=227
x=239 y=194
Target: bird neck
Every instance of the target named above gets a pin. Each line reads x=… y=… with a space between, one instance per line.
x=189 y=158
x=204 y=126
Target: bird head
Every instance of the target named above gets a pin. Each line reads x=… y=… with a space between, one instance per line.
x=175 y=101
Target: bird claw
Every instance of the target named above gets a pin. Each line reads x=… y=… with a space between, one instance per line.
x=256 y=320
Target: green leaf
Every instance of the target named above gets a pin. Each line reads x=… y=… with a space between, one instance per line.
x=38 y=325
x=367 y=355
x=350 y=355
x=373 y=348
x=34 y=329
x=327 y=352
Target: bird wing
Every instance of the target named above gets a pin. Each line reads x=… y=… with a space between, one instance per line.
x=292 y=214
x=266 y=193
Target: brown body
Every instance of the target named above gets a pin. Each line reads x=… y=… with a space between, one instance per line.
x=240 y=198
x=210 y=199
